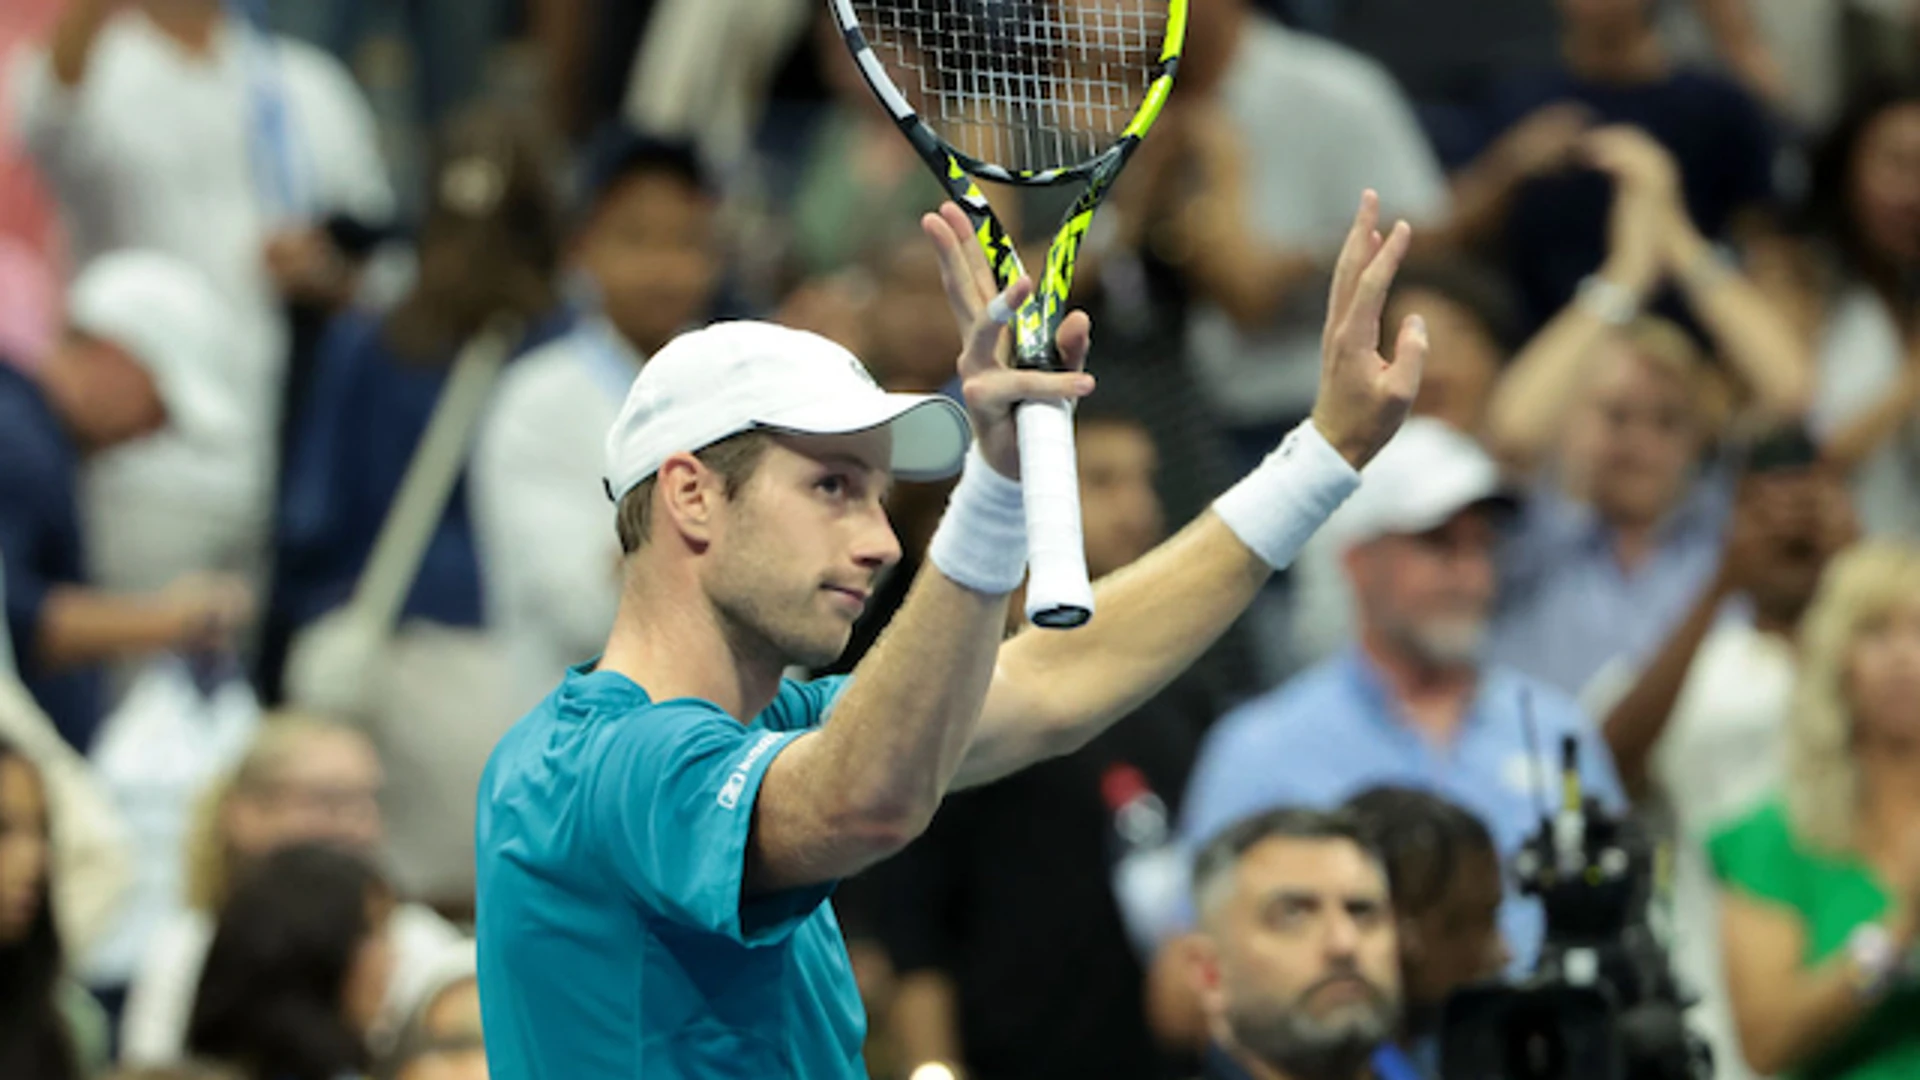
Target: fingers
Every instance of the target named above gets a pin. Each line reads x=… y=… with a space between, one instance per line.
x=999 y=391
x=950 y=249
x=1361 y=327
x=989 y=328
x=1402 y=377
x=1074 y=340
x=975 y=260
x=1355 y=254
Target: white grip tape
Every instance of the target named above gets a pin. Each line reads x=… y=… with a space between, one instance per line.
x=1058 y=593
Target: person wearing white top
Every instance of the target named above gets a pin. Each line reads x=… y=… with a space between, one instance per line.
x=1700 y=729
x=1300 y=123
x=169 y=126
x=548 y=549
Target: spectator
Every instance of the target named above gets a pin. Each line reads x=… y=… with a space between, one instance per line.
x=1012 y=950
x=442 y=1041
x=1616 y=422
x=1821 y=885
x=1296 y=967
x=1848 y=284
x=129 y=365
x=1551 y=224
x=174 y=1072
x=1258 y=208
x=382 y=380
x=163 y=125
x=298 y=968
x=1791 y=55
x=1700 y=730
x=1445 y=879
x=645 y=243
x=1413 y=701
x=449 y=44
x=1470 y=317
x=49 y=1028
x=303 y=781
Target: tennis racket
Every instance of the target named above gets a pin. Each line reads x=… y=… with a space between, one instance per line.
x=1032 y=93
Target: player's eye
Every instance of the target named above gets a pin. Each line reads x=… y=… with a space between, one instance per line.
x=834 y=485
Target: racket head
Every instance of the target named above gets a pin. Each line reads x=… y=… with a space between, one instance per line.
x=1026 y=92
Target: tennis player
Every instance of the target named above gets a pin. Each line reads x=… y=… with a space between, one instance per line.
x=658 y=839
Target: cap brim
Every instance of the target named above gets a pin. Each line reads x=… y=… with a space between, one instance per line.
x=930 y=431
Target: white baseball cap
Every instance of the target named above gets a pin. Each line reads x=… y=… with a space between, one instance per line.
x=170 y=319
x=732 y=377
x=1427 y=473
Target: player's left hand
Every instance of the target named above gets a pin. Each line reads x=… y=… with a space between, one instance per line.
x=1364 y=395
x=991 y=386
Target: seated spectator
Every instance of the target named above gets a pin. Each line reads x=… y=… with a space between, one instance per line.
x=1617 y=423
x=49 y=1028
x=1002 y=920
x=1414 y=700
x=645 y=244
x=265 y=146
x=440 y=695
x=442 y=1041
x=303 y=781
x=30 y=249
x=1820 y=887
x=298 y=968
x=1846 y=283
x=1699 y=731
x=1297 y=959
x=128 y=367
x=1551 y=223
x=1445 y=879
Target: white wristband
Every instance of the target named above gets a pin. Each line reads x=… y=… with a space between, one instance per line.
x=981 y=543
x=1612 y=303
x=1277 y=506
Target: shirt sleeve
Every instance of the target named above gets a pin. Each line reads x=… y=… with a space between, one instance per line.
x=341 y=138
x=1756 y=856
x=672 y=809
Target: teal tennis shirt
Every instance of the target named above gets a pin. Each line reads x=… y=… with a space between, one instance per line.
x=615 y=941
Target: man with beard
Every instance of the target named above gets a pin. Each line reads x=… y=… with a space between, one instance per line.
x=1411 y=702
x=1297 y=962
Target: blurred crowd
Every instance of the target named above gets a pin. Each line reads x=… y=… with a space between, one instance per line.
x=313 y=315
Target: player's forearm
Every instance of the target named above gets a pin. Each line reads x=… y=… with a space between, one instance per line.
x=1753 y=336
x=1154 y=620
x=73 y=39
x=1786 y=1022
x=898 y=734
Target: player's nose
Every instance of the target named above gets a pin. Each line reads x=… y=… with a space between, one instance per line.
x=876 y=547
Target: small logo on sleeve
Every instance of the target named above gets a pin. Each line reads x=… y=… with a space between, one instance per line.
x=730 y=791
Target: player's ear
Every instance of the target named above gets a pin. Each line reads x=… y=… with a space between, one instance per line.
x=686 y=495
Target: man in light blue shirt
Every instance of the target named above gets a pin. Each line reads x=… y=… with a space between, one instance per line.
x=1411 y=703
x=658 y=838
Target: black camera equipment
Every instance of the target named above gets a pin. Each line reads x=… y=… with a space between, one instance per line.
x=1602 y=1003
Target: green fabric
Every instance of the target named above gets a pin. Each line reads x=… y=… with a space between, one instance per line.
x=86 y=1026
x=1833 y=894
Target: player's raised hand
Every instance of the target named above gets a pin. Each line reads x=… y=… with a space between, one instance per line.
x=1364 y=395
x=991 y=386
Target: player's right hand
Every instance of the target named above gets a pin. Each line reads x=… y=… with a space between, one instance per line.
x=991 y=387
x=1364 y=395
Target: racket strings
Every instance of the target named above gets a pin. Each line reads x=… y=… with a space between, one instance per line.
x=1024 y=84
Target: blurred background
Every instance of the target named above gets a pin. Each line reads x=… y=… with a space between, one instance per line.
x=313 y=314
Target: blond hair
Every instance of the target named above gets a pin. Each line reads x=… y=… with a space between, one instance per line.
x=1859 y=589
x=1666 y=347
x=211 y=860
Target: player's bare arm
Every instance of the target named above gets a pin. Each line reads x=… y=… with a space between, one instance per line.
x=1056 y=690
x=869 y=781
